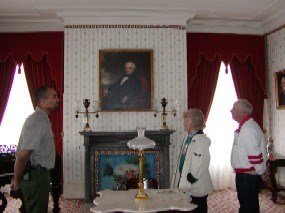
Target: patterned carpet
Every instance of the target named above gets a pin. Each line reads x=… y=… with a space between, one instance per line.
x=224 y=201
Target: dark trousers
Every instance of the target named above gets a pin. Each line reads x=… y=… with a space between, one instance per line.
x=201 y=202
x=36 y=191
x=247 y=190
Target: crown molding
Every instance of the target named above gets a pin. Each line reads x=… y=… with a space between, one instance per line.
x=126 y=16
x=83 y=15
x=27 y=26
x=209 y=26
x=274 y=22
x=134 y=16
x=237 y=27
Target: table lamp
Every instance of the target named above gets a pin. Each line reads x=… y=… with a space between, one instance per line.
x=141 y=143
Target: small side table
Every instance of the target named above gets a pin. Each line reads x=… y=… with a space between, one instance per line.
x=275 y=162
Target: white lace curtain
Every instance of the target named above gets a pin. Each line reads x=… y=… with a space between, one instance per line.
x=220 y=128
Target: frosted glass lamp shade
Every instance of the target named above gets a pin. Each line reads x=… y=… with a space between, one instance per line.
x=141 y=142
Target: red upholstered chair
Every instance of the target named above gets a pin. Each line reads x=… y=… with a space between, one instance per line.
x=143 y=99
x=144 y=85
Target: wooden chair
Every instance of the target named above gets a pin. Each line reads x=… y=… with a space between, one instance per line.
x=7 y=161
x=148 y=183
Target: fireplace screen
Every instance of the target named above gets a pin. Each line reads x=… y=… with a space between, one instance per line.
x=114 y=168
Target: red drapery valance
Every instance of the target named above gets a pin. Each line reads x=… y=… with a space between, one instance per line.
x=19 y=45
x=229 y=48
x=226 y=46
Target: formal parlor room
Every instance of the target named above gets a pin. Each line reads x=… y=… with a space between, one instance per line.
x=125 y=73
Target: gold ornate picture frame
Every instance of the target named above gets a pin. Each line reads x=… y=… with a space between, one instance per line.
x=122 y=90
x=280 y=89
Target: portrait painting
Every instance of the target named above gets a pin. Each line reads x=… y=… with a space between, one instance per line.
x=280 y=89
x=126 y=79
x=114 y=168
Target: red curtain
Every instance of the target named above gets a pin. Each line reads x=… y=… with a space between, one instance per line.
x=38 y=74
x=7 y=72
x=202 y=89
x=248 y=86
x=231 y=49
x=20 y=45
x=38 y=51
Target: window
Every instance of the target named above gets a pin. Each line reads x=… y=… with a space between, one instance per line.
x=19 y=107
x=220 y=128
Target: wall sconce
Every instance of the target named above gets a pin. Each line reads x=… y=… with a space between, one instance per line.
x=164 y=112
x=86 y=113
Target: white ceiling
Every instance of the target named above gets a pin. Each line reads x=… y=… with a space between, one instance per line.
x=252 y=16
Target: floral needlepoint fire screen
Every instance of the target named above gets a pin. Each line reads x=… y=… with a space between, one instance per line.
x=126 y=79
x=114 y=168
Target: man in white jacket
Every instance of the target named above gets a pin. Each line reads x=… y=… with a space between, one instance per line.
x=248 y=157
x=192 y=173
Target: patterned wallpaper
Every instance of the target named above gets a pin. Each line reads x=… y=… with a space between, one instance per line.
x=81 y=77
x=275 y=44
x=82 y=45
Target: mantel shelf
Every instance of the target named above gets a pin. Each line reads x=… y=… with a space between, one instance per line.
x=124 y=132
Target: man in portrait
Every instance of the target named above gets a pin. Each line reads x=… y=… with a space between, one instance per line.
x=282 y=91
x=125 y=93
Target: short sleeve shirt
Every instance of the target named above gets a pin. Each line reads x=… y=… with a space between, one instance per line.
x=37 y=136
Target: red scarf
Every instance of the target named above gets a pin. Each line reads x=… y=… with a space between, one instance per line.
x=242 y=122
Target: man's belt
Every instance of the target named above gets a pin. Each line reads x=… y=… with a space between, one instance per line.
x=38 y=167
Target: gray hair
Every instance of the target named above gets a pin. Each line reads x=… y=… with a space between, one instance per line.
x=197 y=118
x=245 y=106
x=132 y=63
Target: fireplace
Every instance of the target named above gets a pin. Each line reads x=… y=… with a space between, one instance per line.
x=117 y=141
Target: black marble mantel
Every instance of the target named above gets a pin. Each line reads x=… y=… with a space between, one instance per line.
x=117 y=141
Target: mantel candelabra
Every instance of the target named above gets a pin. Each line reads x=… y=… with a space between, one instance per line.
x=164 y=112
x=86 y=113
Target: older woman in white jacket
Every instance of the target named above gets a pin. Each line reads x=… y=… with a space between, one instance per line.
x=192 y=171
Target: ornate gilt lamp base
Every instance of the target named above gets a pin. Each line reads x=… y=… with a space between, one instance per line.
x=141 y=195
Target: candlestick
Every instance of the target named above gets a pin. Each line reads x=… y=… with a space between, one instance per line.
x=86 y=113
x=164 y=112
